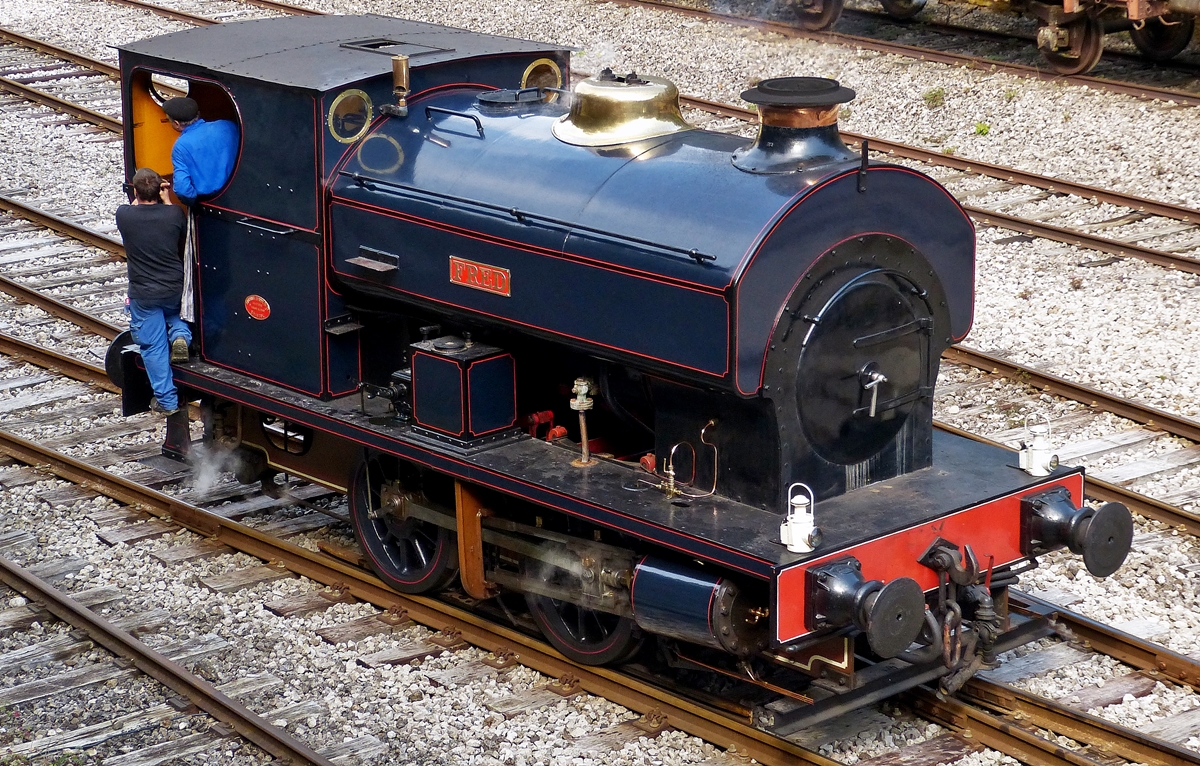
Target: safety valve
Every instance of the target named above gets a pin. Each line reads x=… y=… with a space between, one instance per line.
x=891 y=615
x=1102 y=536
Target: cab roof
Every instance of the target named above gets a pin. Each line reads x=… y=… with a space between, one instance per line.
x=323 y=52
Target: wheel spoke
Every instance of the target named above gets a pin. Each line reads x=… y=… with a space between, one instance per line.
x=406 y=553
x=402 y=563
x=421 y=554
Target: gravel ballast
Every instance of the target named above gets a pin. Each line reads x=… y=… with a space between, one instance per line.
x=1124 y=327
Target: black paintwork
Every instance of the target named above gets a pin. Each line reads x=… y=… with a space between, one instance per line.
x=319 y=53
x=675 y=601
x=462 y=390
x=264 y=233
x=965 y=474
x=240 y=259
x=450 y=190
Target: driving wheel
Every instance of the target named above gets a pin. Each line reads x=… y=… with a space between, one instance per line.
x=409 y=554
x=587 y=636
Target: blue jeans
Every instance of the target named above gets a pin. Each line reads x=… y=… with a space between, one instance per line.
x=155 y=325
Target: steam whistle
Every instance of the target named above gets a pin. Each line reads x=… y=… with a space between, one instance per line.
x=400 y=86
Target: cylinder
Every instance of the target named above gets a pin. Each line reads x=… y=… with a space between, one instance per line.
x=694 y=606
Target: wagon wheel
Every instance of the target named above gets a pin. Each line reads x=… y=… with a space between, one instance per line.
x=587 y=636
x=1164 y=38
x=1087 y=44
x=903 y=9
x=818 y=15
x=410 y=555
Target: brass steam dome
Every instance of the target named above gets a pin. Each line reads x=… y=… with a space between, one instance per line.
x=607 y=110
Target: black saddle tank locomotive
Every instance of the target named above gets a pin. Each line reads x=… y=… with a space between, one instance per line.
x=663 y=382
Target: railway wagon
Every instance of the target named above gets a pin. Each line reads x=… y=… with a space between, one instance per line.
x=662 y=385
x=1070 y=34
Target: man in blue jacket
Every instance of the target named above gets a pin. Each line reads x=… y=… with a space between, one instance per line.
x=205 y=153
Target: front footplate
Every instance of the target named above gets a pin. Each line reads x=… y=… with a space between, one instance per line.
x=879 y=681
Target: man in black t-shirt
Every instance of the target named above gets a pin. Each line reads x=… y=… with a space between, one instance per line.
x=153 y=231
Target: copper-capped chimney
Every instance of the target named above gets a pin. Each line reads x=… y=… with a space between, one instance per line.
x=797 y=125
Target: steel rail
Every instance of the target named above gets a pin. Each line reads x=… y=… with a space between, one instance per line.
x=924 y=54
x=202 y=694
x=633 y=693
x=1012 y=175
x=988 y=217
x=63 y=226
x=188 y=18
x=995 y=732
x=1176 y=425
x=54 y=102
x=1102 y=735
x=49 y=49
x=284 y=7
x=53 y=360
x=1132 y=650
x=55 y=307
x=1098 y=489
x=1162 y=258
x=637 y=695
x=1146 y=506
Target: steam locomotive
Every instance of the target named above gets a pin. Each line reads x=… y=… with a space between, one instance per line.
x=659 y=381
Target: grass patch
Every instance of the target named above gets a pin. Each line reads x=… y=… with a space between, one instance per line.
x=934 y=98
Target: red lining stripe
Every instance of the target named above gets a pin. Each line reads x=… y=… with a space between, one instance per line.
x=757 y=248
x=495 y=475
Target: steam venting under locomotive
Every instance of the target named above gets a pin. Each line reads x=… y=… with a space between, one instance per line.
x=561 y=344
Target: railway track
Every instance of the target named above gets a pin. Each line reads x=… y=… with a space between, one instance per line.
x=48 y=75
x=457 y=625
x=1139 y=221
x=767 y=756
x=195 y=519
x=199 y=693
x=1088 y=396
x=934 y=55
x=663 y=708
